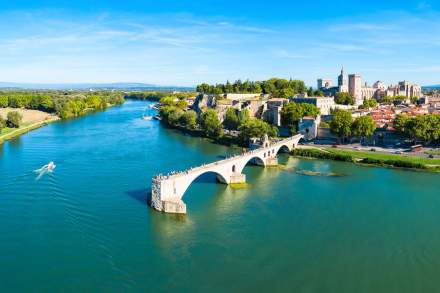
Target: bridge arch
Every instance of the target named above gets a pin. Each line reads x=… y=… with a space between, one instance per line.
x=283 y=149
x=184 y=187
x=255 y=160
x=168 y=191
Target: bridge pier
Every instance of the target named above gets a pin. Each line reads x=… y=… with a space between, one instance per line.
x=238 y=178
x=174 y=207
x=167 y=191
x=272 y=162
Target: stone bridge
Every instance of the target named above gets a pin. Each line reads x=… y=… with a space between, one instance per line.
x=168 y=190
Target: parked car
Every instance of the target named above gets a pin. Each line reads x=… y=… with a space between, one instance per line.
x=373 y=149
x=431 y=156
x=334 y=146
x=398 y=152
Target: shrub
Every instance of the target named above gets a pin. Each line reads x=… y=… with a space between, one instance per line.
x=14 y=119
x=314 y=153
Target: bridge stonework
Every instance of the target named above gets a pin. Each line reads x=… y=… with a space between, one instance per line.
x=167 y=191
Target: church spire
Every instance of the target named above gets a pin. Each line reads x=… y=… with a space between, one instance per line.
x=341 y=77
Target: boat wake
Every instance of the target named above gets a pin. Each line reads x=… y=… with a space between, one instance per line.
x=48 y=168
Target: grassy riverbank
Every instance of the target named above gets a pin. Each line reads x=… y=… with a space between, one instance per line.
x=10 y=133
x=370 y=158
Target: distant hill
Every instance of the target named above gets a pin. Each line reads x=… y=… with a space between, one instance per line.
x=97 y=86
x=436 y=86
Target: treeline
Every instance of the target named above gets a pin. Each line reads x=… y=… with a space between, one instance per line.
x=174 y=113
x=346 y=157
x=424 y=128
x=345 y=127
x=64 y=104
x=156 y=96
x=276 y=87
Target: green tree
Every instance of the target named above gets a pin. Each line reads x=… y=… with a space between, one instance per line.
x=243 y=116
x=2 y=123
x=400 y=98
x=168 y=101
x=256 y=128
x=388 y=99
x=344 y=99
x=4 y=101
x=318 y=93
x=170 y=114
x=203 y=88
x=46 y=103
x=363 y=127
x=293 y=112
x=189 y=120
x=310 y=110
x=210 y=124
x=400 y=122
x=277 y=87
x=370 y=103
x=182 y=104
x=231 y=121
x=14 y=119
x=95 y=102
x=341 y=124
x=72 y=108
x=425 y=127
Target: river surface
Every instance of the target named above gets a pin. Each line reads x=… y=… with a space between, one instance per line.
x=86 y=227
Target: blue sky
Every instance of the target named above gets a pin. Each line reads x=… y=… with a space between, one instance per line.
x=188 y=42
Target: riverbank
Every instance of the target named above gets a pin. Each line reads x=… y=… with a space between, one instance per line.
x=410 y=162
x=33 y=119
x=11 y=133
x=369 y=158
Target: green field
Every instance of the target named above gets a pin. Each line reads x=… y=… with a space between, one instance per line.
x=433 y=152
x=369 y=158
x=9 y=133
x=382 y=156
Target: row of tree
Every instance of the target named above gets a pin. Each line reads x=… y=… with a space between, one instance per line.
x=344 y=127
x=156 y=96
x=424 y=128
x=64 y=104
x=276 y=87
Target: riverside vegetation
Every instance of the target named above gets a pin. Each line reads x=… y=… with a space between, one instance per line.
x=174 y=113
x=238 y=127
x=369 y=158
x=63 y=104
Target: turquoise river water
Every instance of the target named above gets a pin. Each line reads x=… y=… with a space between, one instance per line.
x=86 y=227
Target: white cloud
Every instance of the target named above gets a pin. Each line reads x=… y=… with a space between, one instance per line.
x=284 y=54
